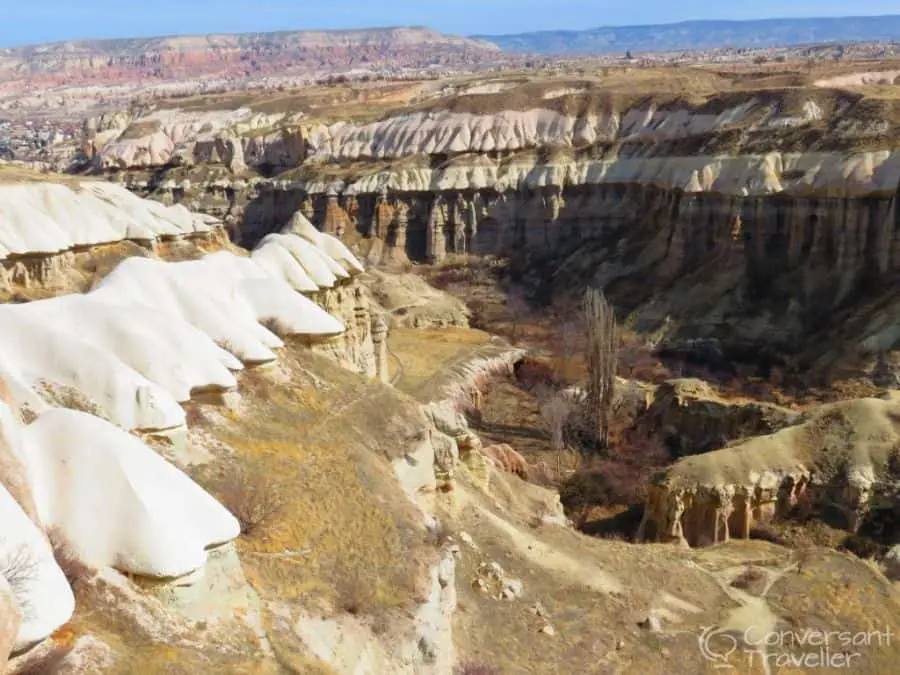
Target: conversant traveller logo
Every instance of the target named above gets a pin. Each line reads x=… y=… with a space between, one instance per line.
x=795 y=648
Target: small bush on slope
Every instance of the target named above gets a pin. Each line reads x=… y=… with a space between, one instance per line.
x=256 y=499
x=20 y=568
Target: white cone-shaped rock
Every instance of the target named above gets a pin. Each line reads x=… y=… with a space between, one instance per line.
x=334 y=247
x=322 y=270
x=278 y=262
x=288 y=312
x=164 y=349
x=59 y=364
x=195 y=292
x=48 y=218
x=42 y=594
x=331 y=246
x=300 y=226
x=116 y=502
x=309 y=254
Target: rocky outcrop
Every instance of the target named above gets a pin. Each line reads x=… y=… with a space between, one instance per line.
x=89 y=75
x=81 y=370
x=507 y=459
x=843 y=460
x=693 y=419
x=410 y=302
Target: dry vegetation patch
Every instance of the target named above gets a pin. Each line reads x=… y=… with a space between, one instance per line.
x=317 y=436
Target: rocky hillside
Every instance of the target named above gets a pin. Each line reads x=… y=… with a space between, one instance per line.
x=698 y=35
x=203 y=467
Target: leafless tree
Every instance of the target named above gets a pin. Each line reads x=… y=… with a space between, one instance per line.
x=601 y=360
x=20 y=567
x=517 y=307
x=555 y=411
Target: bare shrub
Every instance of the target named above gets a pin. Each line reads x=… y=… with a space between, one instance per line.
x=253 y=497
x=517 y=308
x=570 y=334
x=357 y=595
x=620 y=478
x=532 y=373
x=555 y=411
x=638 y=361
x=74 y=569
x=440 y=534
x=748 y=578
x=477 y=669
x=20 y=568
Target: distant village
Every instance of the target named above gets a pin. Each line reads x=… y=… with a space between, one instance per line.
x=30 y=140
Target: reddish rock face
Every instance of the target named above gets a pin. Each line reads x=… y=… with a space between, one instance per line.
x=9 y=622
x=508 y=459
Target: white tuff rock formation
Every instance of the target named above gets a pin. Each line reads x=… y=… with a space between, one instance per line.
x=118 y=503
x=147 y=337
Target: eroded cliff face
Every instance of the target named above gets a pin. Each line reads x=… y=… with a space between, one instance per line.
x=759 y=273
x=692 y=419
x=752 y=218
x=842 y=463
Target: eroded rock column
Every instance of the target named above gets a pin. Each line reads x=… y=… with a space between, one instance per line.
x=401 y=219
x=436 y=245
x=379 y=341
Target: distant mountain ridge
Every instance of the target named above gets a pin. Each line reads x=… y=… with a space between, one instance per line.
x=702 y=35
x=235 y=56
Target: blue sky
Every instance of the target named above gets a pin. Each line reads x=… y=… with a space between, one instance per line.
x=32 y=21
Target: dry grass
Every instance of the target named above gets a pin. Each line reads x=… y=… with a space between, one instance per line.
x=425 y=354
x=328 y=444
x=14 y=174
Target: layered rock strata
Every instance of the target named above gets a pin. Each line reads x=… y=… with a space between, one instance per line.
x=779 y=205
